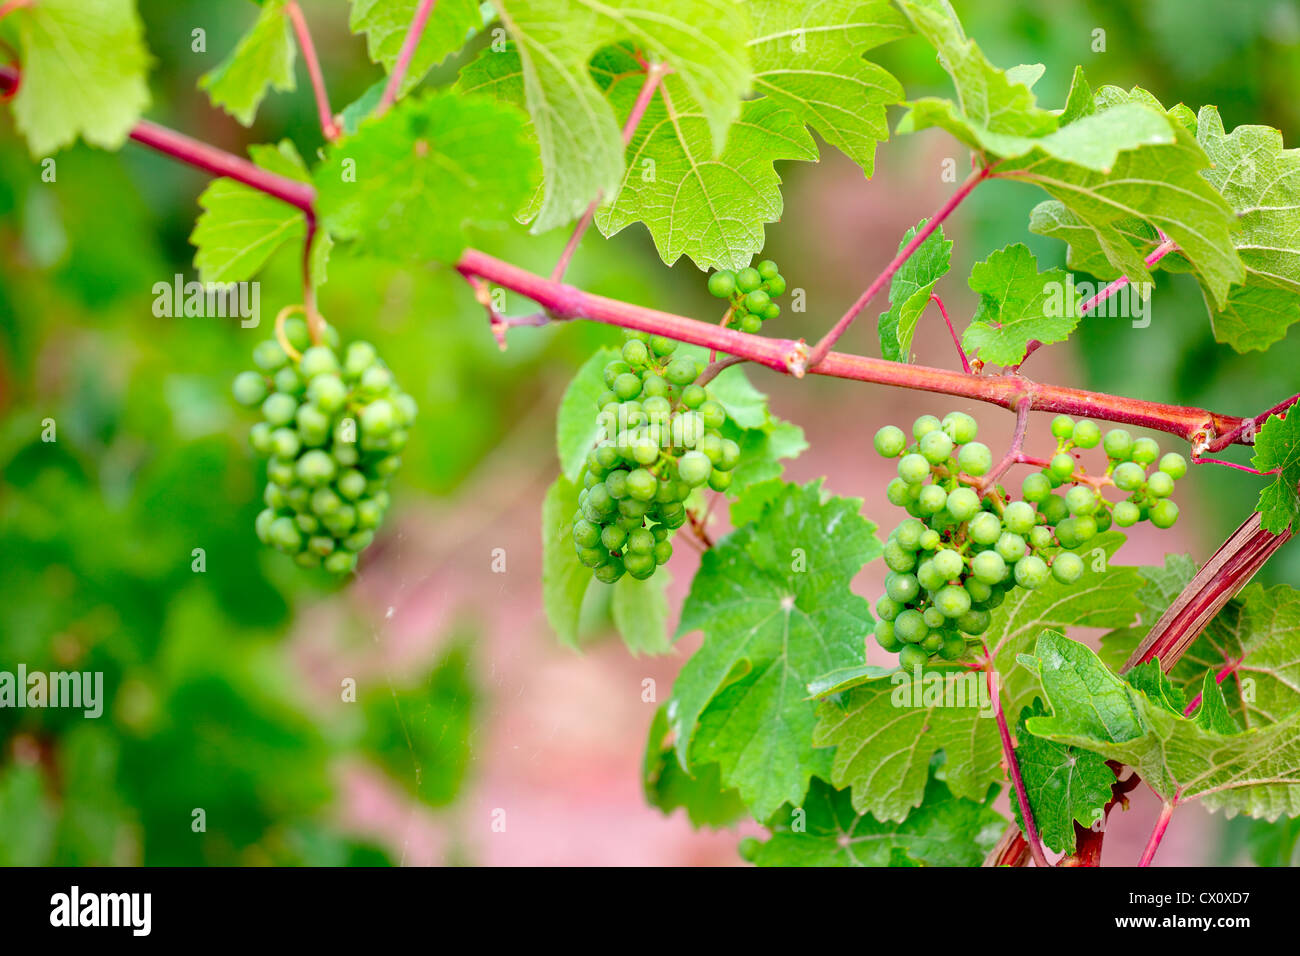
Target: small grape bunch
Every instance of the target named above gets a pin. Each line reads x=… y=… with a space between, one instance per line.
x=965 y=545
x=662 y=439
x=332 y=430
x=751 y=293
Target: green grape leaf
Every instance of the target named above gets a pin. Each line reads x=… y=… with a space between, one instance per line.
x=640 y=612
x=386 y=23
x=1018 y=304
x=577 y=425
x=240 y=228
x=1256 y=772
x=1065 y=785
x=1213 y=714
x=711 y=207
x=263 y=59
x=909 y=291
x=581 y=143
x=809 y=58
x=84 y=73
x=750 y=504
x=827 y=831
x=1151 y=680
x=1262 y=182
x=995 y=110
x=1110 y=215
x=1273 y=844
x=668 y=787
x=774 y=603
x=564 y=578
x=409 y=182
x=1277 y=447
x=887 y=729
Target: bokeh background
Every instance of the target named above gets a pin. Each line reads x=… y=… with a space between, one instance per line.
x=224 y=687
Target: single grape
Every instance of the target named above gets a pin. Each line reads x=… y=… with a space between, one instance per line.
x=1174 y=465
x=1067 y=567
x=767 y=269
x=757 y=301
x=884 y=632
x=1145 y=451
x=1163 y=513
x=889 y=441
x=750 y=323
x=1128 y=476
x=627 y=386
x=952 y=601
x=1054 y=510
x=315 y=468
x=933 y=618
x=928 y=577
x=1062 y=467
x=1080 y=500
x=912 y=658
x=897 y=493
x=913 y=468
x=1031 y=572
x=269 y=357
x=929 y=539
x=341 y=562
x=747 y=280
x=317 y=360
x=902 y=588
x=1126 y=514
x=609 y=572
x=712 y=415
x=947 y=563
x=924 y=425
x=974 y=621
x=908 y=533
x=989 y=567
x=1036 y=487
x=694 y=468
x=954 y=646
x=1160 y=485
x=722 y=284
x=357 y=359
x=663 y=552
x=586 y=534
x=932 y=500
x=279 y=409
x=909 y=626
x=1040 y=537
x=641 y=485
x=284 y=535
x=730 y=455
x=960 y=427
x=771 y=312
x=720 y=480
x=984 y=528
x=1011 y=547
x=963 y=504
x=775 y=286
x=635 y=353
x=1118 y=444
x=249 y=388
x=1019 y=517
x=936 y=446
x=1062 y=427
x=1086 y=434
x=886 y=607
x=898 y=559
x=682 y=370
x=975 y=458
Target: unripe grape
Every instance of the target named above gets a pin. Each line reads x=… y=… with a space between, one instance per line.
x=1118 y=444
x=1011 y=547
x=963 y=504
x=627 y=386
x=898 y=559
x=279 y=409
x=887 y=608
x=954 y=646
x=641 y=541
x=317 y=360
x=1067 y=567
x=663 y=552
x=586 y=534
x=908 y=533
x=1160 y=485
x=269 y=357
x=902 y=588
x=730 y=455
x=1019 y=517
x=933 y=641
x=1080 y=500
x=284 y=443
x=722 y=284
x=884 y=632
x=936 y=446
x=1086 y=434
x=757 y=301
x=1145 y=451
x=609 y=572
x=284 y=535
x=910 y=626
x=750 y=323
x=897 y=493
x=712 y=415
x=767 y=269
x=340 y=562
x=952 y=601
x=378 y=418
x=912 y=658
x=1040 y=537
x=771 y=312
x=1062 y=467
x=1174 y=465
x=932 y=500
x=359 y=357
x=924 y=425
x=984 y=528
x=369 y=514
x=1126 y=514
x=693 y=396
x=315 y=468
x=613 y=370
x=635 y=353
x=1062 y=427
x=929 y=539
x=682 y=370
x=1031 y=572
x=890 y=441
x=249 y=388
x=641 y=485
x=720 y=480
x=975 y=458
x=1163 y=513
x=913 y=468
x=960 y=427
x=694 y=468
x=747 y=280
x=989 y=567
x=775 y=286
x=933 y=618
x=974 y=621
x=1128 y=476
x=1054 y=510
x=1036 y=487
x=947 y=563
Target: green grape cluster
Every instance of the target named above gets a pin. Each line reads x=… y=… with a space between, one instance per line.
x=332 y=430
x=959 y=553
x=752 y=293
x=662 y=439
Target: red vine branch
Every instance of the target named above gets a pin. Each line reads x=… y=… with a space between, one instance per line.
x=405 y=55
x=1013 y=765
x=328 y=127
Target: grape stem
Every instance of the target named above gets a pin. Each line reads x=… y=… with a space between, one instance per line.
x=1013 y=452
x=654 y=73
x=1013 y=765
x=712 y=370
x=1253 y=424
x=822 y=350
x=1197 y=460
x=961 y=352
x=1224 y=673
x=409 y=45
x=1158 y=834
x=329 y=128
